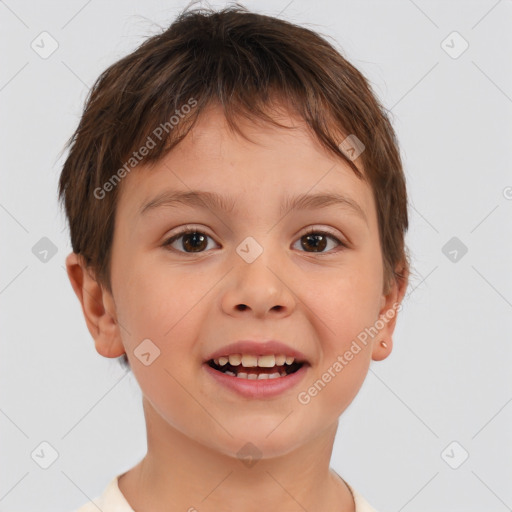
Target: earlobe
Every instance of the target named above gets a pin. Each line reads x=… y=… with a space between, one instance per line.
x=382 y=349
x=97 y=307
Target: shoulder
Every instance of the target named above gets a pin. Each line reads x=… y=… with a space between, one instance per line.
x=111 y=500
x=361 y=504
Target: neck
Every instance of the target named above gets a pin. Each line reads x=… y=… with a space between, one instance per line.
x=179 y=473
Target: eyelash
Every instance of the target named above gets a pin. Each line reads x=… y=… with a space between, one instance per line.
x=310 y=231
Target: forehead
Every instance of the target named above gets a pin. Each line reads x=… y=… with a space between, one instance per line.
x=276 y=161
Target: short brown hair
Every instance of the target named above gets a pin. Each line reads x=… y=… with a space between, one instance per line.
x=244 y=62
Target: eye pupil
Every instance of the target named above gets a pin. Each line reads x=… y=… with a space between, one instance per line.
x=320 y=243
x=196 y=237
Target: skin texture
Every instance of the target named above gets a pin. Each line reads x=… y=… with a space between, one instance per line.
x=188 y=304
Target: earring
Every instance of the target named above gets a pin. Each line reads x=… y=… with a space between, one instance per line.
x=384 y=344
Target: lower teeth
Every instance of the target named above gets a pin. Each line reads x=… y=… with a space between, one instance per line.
x=254 y=376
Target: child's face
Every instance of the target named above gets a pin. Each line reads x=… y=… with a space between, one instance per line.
x=314 y=296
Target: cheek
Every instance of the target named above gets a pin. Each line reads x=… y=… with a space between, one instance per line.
x=166 y=305
x=349 y=300
x=342 y=386
x=346 y=307
x=153 y=302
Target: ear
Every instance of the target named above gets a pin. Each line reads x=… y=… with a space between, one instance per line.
x=390 y=306
x=98 y=307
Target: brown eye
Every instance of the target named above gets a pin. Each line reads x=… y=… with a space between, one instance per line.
x=195 y=242
x=192 y=241
x=318 y=241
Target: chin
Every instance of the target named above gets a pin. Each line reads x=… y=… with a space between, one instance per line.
x=259 y=442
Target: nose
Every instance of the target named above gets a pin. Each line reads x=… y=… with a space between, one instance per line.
x=259 y=288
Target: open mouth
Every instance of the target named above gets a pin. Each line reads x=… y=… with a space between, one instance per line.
x=256 y=368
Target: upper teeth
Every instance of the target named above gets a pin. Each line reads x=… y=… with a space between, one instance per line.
x=250 y=361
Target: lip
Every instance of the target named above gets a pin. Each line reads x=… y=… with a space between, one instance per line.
x=258 y=348
x=258 y=389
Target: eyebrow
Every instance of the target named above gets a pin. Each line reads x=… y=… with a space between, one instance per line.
x=214 y=201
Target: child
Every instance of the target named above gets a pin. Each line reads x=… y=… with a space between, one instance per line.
x=237 y=210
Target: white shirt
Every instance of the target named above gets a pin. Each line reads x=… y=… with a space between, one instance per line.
x=113 y=500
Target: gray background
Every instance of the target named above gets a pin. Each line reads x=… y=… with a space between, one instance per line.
x=448 y=378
